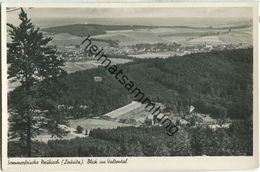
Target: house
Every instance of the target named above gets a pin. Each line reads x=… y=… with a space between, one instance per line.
x=97 y=78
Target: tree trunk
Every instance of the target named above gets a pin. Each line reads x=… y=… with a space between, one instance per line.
x=28 y=139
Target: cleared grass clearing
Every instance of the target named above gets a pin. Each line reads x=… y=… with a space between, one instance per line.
x=154 y=55
x=85 y=123
x=184 y=32
x=89 y=124
x=133 y=37
x=209 y=39
x=45 y=136
x=237 y=38
x=164 y=30
x=62 y=39
x=178 y=39
x=72 y=67
x=65 y=39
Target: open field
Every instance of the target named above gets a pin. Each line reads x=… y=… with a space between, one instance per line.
x=71 y=67
x=214 y=40
x=154 y=55
x=133 y=37
x=45 y=136
x=64 y=40
x=89 y=124
x=237 y=38
x=85 y=123
x=134 y=110
x=185 y=35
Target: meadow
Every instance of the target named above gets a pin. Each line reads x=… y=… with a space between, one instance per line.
x=183 y=36
x=71 y=67
x=130 y=35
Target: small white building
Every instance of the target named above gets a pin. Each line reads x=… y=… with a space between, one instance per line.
x=97 y=78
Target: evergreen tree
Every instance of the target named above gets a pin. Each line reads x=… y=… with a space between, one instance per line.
x=37 y=68
x=162 y=150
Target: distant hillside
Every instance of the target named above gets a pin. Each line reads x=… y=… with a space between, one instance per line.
x=217 y=83
x=96 y=29
x=91 y=29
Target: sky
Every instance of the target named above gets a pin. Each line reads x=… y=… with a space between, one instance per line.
x=42 y=16
x=214 y=12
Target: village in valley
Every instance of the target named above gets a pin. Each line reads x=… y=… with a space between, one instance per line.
x=120 y=51
x=197 y=72
x=73 y=52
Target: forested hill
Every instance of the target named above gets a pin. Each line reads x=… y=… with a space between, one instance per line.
x=217 y=83
x=97 y=29
x=92 y=29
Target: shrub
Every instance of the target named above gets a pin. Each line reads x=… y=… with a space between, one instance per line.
x=79 y=129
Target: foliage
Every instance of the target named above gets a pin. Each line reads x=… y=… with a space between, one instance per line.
x=36 y=66
x=151 y=141
x=148 y=121
x=79 y=129
x=236 y=140
x=215 y=83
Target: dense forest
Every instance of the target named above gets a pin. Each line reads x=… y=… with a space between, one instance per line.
x=149 y=141
x=215 y=83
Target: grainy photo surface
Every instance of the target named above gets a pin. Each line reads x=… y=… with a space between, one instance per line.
x=128 y=82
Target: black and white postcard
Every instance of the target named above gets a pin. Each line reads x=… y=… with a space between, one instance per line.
x=129 y=86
